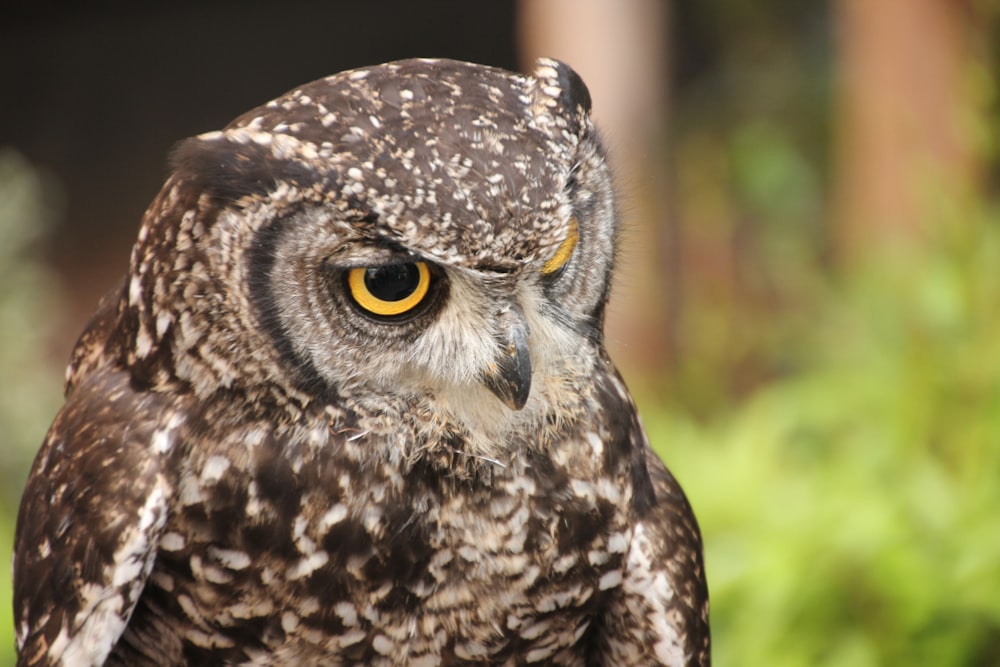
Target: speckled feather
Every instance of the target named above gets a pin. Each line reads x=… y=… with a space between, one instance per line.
x=249 y=470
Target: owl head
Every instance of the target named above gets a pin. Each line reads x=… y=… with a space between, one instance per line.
x=426 y=232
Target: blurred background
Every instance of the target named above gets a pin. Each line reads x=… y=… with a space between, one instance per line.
x=808 y=300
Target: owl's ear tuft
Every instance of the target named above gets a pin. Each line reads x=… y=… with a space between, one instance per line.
x=229 y=170
x=573 y=92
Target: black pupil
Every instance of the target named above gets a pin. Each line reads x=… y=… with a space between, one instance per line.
x=392 y=283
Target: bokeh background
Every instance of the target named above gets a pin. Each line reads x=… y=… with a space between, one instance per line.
x=808 y=305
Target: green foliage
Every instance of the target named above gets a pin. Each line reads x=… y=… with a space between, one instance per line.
x=30 y=391
x=839 y=438
x=750 y=152
x=851 y=511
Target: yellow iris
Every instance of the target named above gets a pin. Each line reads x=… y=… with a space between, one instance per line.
x=564 y=251
x=389 y=290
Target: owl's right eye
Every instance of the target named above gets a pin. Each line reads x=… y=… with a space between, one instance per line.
x=389 y=291
x=554 y=266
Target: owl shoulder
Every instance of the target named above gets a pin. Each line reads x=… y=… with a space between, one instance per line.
x=90 y=520
x=93 y=349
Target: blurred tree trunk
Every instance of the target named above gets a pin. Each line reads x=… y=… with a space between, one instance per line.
x=902 y=119
x=620 y=50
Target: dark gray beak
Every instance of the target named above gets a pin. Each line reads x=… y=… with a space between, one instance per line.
x=509 y=376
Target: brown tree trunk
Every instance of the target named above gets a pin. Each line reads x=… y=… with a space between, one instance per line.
x=903 y=105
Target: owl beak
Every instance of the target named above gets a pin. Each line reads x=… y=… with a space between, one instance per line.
x=509 y=375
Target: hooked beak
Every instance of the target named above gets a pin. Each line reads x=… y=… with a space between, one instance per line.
x=509 y=374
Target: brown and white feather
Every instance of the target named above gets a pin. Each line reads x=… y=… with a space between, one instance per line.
x=252 y=470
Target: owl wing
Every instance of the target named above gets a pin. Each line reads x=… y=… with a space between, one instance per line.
x=89 y=524
x=659 y=615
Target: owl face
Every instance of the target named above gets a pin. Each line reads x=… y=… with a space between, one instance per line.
x=430 y=232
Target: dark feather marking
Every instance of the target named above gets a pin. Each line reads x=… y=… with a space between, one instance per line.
x=262 y=256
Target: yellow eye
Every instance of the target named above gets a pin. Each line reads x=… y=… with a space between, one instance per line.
x=564 y=251
x=390 y=290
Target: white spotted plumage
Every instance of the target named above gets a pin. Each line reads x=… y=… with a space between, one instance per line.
x=255 y=466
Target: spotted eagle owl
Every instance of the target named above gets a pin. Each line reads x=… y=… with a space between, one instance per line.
x=351 y=403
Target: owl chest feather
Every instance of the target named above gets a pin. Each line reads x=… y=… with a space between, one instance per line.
x=306 y=547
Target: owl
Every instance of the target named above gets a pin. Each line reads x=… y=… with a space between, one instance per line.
x=351 y=404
